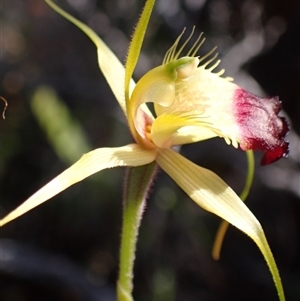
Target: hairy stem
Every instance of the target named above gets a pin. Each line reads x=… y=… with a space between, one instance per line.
x=137 y=183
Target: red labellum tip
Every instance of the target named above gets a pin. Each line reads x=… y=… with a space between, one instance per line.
x=260 y=126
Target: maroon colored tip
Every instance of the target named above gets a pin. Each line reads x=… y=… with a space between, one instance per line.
x=275 y=154
x=261 y=127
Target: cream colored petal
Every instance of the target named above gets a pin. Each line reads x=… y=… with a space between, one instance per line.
x=112 y=68
x=90 y=163
x=204 y=100
x=191 y=134
x=208 y=190
x=214 y=195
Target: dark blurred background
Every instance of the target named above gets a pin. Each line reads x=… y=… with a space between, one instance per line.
x=60 y=106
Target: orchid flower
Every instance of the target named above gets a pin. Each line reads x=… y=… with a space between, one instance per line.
x=192 y=103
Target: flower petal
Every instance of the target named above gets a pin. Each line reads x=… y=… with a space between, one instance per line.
x=259 y=124
x=207 y=190
x=177 y=129
x=136 y=44
x=112 y=68
x=158 y=86
x=208 y=101
x=205 y=100
x=214 y=195
x=90 y=163
x=109 y=64
x=191 y=134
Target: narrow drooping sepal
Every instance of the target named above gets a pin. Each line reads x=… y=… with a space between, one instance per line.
x=212 y=194
x=260 y=126
x=90 y=163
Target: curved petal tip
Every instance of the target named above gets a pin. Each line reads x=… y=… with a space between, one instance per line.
x=260 y=126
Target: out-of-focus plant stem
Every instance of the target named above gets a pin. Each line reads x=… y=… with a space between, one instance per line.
x=216 y=251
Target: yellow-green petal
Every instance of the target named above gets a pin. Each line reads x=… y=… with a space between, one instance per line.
x=90 y=163
x=142 y=118
x=175 y=129
x=214 y=195
x=136 y=44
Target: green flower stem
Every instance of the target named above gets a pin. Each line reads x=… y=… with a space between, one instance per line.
x=137 y=183
x=216 y=251
x=250 y=175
